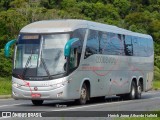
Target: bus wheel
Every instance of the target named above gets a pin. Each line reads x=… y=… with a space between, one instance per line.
x=132 y=93
x=83 y=95
x=139 y=91
x=37 y=102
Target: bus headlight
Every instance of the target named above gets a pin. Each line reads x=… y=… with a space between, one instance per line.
x=16 y=85
x=59 y=85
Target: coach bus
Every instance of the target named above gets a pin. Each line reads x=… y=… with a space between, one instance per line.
x=79 y=60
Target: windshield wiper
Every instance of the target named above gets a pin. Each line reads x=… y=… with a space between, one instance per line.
x=58 y=74
x=46 y=69
x=26 y=66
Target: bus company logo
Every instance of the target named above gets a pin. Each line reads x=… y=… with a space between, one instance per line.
x=35 y=88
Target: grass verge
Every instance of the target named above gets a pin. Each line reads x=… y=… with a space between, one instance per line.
x=156 y=81
x=5 y=86
x=156 y=84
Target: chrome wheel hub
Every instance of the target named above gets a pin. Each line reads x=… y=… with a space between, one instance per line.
x=83 y=93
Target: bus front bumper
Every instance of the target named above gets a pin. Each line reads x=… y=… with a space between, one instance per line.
x=44 y=93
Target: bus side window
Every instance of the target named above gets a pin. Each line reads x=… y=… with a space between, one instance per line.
x=111 y=44
x=143 y=49
x=73 y=60
x=150 y=47
x=92 y=46
x=136 y=50
x=75 y=56
x=103 y=42
x=128 y=46
x=76 y=49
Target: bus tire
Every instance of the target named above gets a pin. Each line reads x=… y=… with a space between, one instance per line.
x=37 y=102
x=122 y=96
x=83 y=95
x=138 y=91
x=132 y=93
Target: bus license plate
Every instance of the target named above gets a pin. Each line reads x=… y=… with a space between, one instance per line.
x=36 y=95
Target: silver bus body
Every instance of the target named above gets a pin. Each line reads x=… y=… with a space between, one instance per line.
x=105 y=71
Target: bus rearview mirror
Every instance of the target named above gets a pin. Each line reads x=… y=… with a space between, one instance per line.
x=7 y=47
x=68 y=46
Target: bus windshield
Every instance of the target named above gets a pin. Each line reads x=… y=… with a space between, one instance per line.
x=40 y=55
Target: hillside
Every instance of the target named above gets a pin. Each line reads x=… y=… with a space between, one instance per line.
x=137 y=15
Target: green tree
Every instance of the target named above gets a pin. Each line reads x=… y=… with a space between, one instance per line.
x=5 y=4
x=5 y=65
x=100 y=12
x=154 y=30
x=123 y=7
x=139 y=19
x=49 y=4
x=11 y=23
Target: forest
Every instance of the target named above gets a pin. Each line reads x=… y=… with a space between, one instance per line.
x=136 y=15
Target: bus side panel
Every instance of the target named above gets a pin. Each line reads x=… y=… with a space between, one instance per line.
x=150 y=79
x=108 y=74
x=142 y=68
x=75 y=80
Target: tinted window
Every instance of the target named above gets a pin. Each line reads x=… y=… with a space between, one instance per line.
x=128 y=46
x=150 y=47
x=143 y=47
x=76 y=49
x=79 y=33
x=103 y=37
x=135 y=46
x=92 y=45
x=111 y=44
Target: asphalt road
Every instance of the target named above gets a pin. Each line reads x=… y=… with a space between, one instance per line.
x=150 y=102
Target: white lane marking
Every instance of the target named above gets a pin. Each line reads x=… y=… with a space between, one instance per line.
x=11 y=105
x=87 y=106
x=153 y=98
